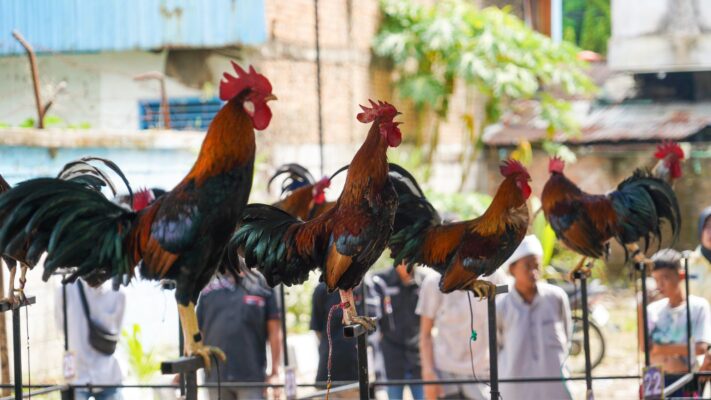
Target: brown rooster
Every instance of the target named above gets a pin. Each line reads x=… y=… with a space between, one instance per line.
x=181 y=236
x=344 y=241
x=462 y=251
x=302 y=195
x=668 y=168
x=586 y=223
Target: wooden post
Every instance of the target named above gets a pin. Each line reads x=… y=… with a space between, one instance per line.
x=35 y=77
x=164 y=106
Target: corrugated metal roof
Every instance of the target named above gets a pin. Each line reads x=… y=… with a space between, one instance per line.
x=615 y=123
x=120 y=25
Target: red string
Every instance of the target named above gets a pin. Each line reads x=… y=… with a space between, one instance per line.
x=330 y=342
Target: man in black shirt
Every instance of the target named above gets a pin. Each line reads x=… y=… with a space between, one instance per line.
x=239 y=318
x=397 y=292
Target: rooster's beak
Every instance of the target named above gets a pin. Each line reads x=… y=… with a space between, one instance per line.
x=270 y=98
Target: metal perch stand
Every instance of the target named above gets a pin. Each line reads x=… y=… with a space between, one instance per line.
x=187 y=367
x=16 y=348
x=359 y=332
x=586 y=332
x=493 y=343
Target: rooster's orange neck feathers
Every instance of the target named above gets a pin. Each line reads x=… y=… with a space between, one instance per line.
x=229 y=143
x=369 y=168
x=507 y=197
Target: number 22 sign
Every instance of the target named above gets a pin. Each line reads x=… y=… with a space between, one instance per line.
x=653 y=385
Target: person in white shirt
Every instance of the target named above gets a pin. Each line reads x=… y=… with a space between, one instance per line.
x=90 y=366
x=450 y=353
x=666 y=320
x=534 y=328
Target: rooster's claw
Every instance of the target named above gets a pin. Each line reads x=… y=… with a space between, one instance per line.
x=206 y=352
x=366 y=322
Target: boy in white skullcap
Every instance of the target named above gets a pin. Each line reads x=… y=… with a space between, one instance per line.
x=534 y=328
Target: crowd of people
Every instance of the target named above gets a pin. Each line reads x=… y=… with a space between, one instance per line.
x=422 y=333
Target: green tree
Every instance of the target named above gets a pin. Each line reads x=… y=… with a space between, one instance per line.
x=587 y=23
x=496 y=58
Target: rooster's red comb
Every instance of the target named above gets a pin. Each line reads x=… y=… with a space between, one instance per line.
x=379 y=109
x=511 y=167
x=667 y=148
x=231 y=86
x=142 y=199
x=556 y=164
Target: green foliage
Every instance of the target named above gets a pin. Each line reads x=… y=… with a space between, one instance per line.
x=143 y=363
x=464 y=205
x=587 y=23
x=298 y=304
x=489 y=51
x=53 y=121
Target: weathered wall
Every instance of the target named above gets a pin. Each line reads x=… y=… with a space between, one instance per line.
x=660 y=35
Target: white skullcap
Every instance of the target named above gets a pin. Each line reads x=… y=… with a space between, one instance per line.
x=530 y=246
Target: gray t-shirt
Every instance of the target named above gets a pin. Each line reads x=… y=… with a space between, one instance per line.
x=452 y=336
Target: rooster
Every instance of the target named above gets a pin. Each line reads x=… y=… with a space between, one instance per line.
x=344 y=241
x=80 y=171
x=586 y=223
x=181 y=236
x=303 y=196
x=462 y=251
x=668 y=168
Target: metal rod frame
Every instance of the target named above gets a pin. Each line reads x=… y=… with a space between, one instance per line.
x=493 y=343
x=361 y=335
x=586 y=329
x=642 y=267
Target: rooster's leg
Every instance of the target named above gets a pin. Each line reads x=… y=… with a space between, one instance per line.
x=581 y=267
x=637 y=254
x=193 y=339
x=11 y=289
x=23 y=279
x=483 y=289
x=350 y=314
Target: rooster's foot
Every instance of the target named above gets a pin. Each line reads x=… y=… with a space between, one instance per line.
x=483 y=289
x=20 y=297
x=367 y=322
x=583 y=268
x=206 y=352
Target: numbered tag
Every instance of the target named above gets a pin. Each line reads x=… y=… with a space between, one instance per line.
x=653 y=384
x=290 y=383
x=70 y=366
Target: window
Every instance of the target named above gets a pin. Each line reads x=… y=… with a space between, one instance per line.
x=189 y=113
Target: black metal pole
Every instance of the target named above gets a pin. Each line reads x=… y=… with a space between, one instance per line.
x=318 y=87
x=493 y=350
x=65 y=321
x=586 y=330
x=690 y=345
x=642 y=267
x=181 y=345
x=282 y=297
x=363 y=367
x=359 y=332
x=17 y=352
x=191 y=385
x=67 y=394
